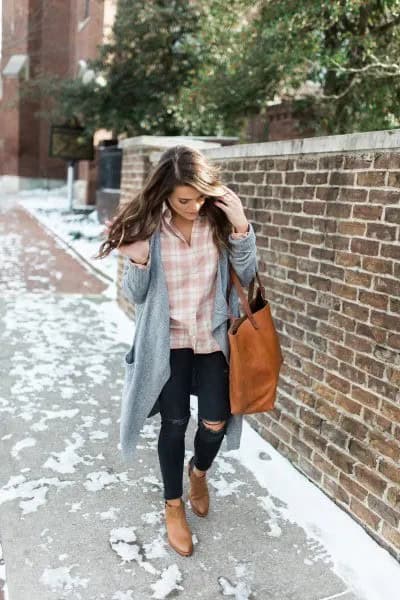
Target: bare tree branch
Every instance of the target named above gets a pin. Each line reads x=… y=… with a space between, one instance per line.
x=393 y=69
x=385 y=26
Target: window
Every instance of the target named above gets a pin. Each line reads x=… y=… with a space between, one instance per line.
x=84 y=16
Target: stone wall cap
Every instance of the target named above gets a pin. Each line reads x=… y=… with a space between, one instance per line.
x=366 y=141
x=161 y=142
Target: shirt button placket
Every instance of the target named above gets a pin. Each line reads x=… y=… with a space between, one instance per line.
x=194 y=270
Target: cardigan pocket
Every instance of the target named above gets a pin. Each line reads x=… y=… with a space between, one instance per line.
x=129 y=369
x=129 y=357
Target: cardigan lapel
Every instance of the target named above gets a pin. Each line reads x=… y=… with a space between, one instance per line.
x=220 y=314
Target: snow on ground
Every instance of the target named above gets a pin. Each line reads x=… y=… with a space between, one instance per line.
x=357 y=558
x=3 y=583
x=83 y=232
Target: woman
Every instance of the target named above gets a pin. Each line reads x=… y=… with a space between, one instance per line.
x=177 y=236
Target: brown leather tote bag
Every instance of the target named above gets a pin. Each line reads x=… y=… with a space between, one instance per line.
x=255 y=352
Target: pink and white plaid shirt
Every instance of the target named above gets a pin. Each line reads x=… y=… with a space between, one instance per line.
x=190 y=272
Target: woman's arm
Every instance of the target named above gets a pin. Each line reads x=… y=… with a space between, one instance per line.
x=242 y=244
x=243 y=255
x=136 y=279
x=136 y=268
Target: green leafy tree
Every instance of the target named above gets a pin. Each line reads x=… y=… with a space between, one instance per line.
x=133 y=86
x=145 y=66
x=146 y=79
x=349 y=50
x=203 y=67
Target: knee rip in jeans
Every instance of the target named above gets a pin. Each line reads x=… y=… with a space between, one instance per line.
x=214 y=426
x=178 y=422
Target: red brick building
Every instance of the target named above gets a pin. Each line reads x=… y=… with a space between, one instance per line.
x=41 y=36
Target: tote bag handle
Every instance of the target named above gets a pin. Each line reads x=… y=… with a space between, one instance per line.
x=234 y=279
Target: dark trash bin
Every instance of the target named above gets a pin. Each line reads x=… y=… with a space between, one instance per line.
x=108 y=180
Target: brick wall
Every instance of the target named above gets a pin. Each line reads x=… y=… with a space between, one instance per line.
x=326 y=213
x=29 y=28
x=54 y=40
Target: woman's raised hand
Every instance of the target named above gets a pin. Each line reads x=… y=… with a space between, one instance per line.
x=137 y=251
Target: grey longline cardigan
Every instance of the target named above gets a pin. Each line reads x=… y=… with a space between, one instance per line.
x=147 y=363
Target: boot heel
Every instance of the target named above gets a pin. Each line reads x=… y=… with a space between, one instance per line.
x=178 y=531
x=199 y=497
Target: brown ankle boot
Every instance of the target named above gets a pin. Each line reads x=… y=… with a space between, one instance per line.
x=198 y=492
x=178 y=531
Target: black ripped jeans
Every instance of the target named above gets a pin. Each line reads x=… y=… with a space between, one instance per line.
x=212 y=379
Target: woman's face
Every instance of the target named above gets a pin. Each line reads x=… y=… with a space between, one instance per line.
x=186 y=201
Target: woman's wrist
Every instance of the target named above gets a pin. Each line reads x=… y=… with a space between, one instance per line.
x=242 y=228
x=138 y=262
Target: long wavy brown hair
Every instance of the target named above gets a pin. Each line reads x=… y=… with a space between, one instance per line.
x=179 y=165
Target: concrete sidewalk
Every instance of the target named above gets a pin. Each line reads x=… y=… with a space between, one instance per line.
x=75 y=521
